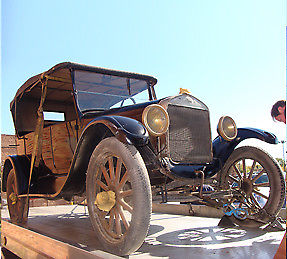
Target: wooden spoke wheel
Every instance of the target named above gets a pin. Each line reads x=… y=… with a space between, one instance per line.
x=257 y=184
x=119 y=196
x=18 y=207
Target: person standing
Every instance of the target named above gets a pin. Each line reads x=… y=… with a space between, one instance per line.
x=278 y=111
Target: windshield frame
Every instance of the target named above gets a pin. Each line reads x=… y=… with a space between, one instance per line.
x=149 y=88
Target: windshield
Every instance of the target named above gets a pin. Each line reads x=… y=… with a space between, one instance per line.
x=102 y=92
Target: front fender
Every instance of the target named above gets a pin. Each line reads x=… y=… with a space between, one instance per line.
x=125 y=129
x=21 y=166
x=222 y=149
x=135 y=133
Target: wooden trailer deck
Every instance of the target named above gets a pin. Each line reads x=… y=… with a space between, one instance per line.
x=66 y=232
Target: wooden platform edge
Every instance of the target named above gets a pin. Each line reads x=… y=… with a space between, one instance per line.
x=29 y=244
x=281 y=252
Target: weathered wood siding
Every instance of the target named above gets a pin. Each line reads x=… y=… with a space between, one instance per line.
x=59 y=142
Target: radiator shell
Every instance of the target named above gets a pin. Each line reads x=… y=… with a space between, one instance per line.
x=189 y=134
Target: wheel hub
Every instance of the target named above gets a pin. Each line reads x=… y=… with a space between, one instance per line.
x=13 y=198
x=246 y=186
x=105 y=200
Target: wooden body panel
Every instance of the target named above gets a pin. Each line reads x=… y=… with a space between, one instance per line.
x=63 y=143
x=58 y=146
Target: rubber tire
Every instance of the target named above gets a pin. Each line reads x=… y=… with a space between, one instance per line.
x=19 y=211
x=142 y=197
x=276 y=180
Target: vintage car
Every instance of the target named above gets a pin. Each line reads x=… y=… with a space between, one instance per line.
x=102 y=134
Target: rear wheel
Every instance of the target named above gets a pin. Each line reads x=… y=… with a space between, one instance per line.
x=119 y=196
x=18 y=207
x=257 y=185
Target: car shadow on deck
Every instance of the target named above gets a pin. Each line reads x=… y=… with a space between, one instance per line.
x=209 y=242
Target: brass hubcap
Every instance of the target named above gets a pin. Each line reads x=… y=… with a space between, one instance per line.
x=105 y=200
x=13 y=198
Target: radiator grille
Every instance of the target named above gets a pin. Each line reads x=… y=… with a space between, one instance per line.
x=189 y=135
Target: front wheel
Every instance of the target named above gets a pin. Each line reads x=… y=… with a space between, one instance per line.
x=119 y=196
x=257 y=184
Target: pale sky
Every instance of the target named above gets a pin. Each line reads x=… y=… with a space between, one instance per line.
x=230 y=54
